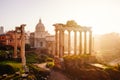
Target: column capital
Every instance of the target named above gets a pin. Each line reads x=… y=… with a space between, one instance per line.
x=56 y=30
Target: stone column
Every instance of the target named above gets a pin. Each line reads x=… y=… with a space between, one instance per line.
x=53 y=48
x=75 y=42
x=60 y=44
x=90 y=42
x=56 y=40
x=62 y=36
x=69 y=42
x=85 y=41
x=15 y=44
x=80 y=43
x=23 y=45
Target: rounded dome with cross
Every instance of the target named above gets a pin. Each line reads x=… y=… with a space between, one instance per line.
x=40 y=27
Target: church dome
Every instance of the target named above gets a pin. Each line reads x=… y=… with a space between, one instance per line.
x=40 y=27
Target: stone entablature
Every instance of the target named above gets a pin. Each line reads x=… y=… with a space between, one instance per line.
x=62 y=27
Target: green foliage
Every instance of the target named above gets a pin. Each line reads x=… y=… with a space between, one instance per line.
x=34 y=68
x=10 y=67
x=11 y=51
x=48 y=59
x=16 y=66
x=5 y=54
x=50 y=65
x=37 y=71
x=50 y=62
x=6 y=47
x=31 y=57
x=2 y=53
x=43 y=58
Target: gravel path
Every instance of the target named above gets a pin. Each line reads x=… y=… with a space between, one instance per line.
x=54 y=74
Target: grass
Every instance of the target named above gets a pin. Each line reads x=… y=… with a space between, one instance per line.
x=15 y=65
x=50 y=65
x=31 y=66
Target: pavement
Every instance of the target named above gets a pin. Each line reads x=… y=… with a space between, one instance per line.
x=43 y=66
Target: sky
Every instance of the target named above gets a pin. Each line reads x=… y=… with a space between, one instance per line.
x=102 y=15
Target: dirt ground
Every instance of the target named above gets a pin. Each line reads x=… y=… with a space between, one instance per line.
x=57 y=75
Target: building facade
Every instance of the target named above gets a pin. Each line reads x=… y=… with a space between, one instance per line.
x=8 y=38
x=41 y=38
x=1 y=30
x=38 y=39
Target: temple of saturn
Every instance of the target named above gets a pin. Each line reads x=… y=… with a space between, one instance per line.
x=82 y=37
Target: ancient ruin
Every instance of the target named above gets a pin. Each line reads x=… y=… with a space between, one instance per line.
x=85 y=38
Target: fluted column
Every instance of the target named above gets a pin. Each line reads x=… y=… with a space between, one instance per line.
x=85 y=41
x=80 y=42
x=69 y=43
x=90 y=42
x=75 y=42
